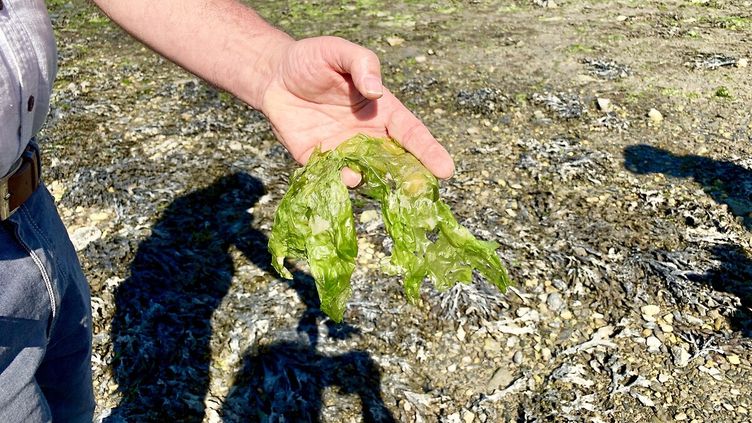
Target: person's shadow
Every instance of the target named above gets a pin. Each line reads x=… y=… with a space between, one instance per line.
x=162 y=325
x=727 y=183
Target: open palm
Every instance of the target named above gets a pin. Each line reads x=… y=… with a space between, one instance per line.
x=326 y=89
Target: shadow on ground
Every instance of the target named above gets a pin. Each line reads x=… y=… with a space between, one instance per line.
x=727 y=183
x=162 y=326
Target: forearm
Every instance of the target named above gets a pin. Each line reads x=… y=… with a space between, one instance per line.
x=221 y=41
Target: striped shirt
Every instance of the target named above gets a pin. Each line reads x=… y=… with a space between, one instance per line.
x=28 y=62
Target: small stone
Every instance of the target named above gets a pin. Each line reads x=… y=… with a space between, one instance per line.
x=491 y=345
x=663 y=378
x=554 y=301
x=452 y=368
x=420 y=59
x=57 y=189
x=546 y=353
x=369 y=216
x=655 y=116
x=680 y=416
x=742 y=63
x=650 y=310
x=621 y=18
x=468 y=417
x=667 y=328
x=500 y=379
x=395 y=41
x=83 y=236
x=653 y=344
x=579 y=251
x=461 y=333
x=473 y=130
x=733 y=359
x=517 y=357
x=604 y=104
x=566 y=315
x=681 y=356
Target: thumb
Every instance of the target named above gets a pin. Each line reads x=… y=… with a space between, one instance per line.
x=361 y=63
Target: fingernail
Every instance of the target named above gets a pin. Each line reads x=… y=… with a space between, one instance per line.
x=372 y=85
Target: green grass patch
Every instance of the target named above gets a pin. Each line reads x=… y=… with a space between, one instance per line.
x=579 y=48
x=722 y=92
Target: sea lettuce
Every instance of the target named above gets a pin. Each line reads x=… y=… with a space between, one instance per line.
x=314 y=221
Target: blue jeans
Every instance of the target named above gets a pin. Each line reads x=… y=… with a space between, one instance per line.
x=45 y=319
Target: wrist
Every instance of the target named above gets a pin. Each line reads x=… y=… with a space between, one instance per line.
x=260 y=67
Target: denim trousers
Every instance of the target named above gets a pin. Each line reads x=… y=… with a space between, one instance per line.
x=45 y=319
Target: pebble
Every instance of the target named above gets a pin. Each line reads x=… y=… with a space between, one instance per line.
x=604 y=104
x=500 y=379
x=517 y=357
x=650 y=310
x=491 y=345
x=554 y=301
x=742 y=63
x=655 y=116
x=473 y=130
x=680 y=416
x=369 y=216
x=395 y=41
x=85 y=235
x=420 y=59
x=461 y=333
x=560 y=285
x=579 y=251
x=546 y=353
x=653 y=344
x=733 y=359
x=468 y=417
x=681 y=356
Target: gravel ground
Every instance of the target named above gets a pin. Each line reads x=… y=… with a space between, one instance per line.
x=604 y=144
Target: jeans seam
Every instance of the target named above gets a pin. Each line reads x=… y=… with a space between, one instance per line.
x=38 y=261
x=45 y=275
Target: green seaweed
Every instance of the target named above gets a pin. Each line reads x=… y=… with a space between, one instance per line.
x=314 y=221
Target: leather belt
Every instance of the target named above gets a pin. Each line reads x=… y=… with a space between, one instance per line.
x=23 y=179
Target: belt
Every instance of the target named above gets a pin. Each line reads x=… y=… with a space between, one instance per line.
x=23 y=179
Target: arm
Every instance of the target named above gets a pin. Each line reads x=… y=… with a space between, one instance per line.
x=315 y=92
x=220 y=41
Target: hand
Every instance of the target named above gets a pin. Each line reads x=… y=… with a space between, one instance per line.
x=325 y=90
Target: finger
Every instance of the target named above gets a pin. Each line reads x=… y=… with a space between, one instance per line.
x=361 y=63
x=350 y=177
x=409 y=131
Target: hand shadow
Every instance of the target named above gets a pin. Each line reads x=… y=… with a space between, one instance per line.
x=162 y=325
x=727 y=183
